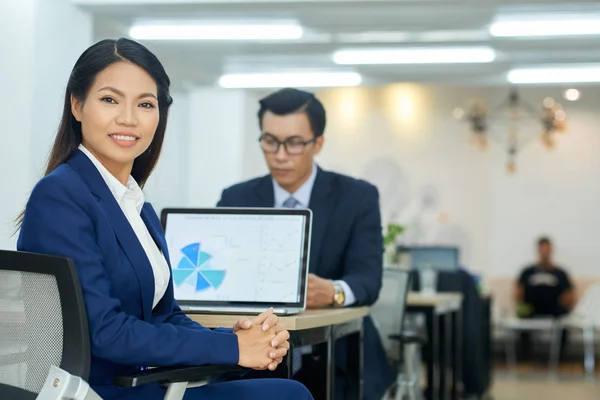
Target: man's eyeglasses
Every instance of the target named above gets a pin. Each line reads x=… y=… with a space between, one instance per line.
x=292 y=146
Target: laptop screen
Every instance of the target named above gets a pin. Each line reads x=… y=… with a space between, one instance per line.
x=227 y=256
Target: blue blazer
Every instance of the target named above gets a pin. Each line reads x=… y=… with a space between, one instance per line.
x=346 y=244
x=72 y=213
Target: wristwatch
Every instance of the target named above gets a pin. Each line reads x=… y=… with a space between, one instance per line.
x=338 y=297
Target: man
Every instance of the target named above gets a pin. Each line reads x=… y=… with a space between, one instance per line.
x=346 y=244
x=543 y=290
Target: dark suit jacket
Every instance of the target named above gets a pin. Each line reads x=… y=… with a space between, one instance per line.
x=346 y=244
x=72 y=213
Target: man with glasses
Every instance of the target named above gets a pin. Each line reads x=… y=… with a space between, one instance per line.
x=346 y=244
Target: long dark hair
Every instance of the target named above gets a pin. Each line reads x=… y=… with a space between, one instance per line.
x=93 y=61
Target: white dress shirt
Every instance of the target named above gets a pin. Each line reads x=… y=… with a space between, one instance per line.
x=302 y=196
x=131 y=199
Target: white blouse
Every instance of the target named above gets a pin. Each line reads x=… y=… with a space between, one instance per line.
x=131 y=199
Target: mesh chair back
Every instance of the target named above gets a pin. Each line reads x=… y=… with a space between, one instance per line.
x=42 y=320
x=388 y=312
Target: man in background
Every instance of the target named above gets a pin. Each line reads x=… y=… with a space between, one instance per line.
x=346 y=244
x=542 y=290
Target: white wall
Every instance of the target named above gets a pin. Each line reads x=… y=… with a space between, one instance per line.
x=62 y=32
x=434 y=180
x=211 y=142
x=168 y=184
x=16 y=21
x=253 y=161
x=38 y=43
x=222 y=129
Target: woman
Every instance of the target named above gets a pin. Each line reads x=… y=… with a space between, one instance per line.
x=90 y=207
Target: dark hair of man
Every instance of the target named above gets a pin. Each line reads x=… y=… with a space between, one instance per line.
x=291 y=101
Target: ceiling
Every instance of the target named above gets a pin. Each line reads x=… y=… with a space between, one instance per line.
x=330 y=25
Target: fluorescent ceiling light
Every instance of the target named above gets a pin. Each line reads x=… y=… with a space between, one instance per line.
x=585 y=74
x=545 y=26
x=407 y=36
x=450 y=55
x=198 y=31
x=288 y=79
x=374 y=37
x=454 y=36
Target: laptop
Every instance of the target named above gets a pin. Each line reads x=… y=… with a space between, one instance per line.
x=239 y=260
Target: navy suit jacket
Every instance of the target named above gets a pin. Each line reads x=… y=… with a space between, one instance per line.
x=346 y=241
x=72 y=213
x=346 y=244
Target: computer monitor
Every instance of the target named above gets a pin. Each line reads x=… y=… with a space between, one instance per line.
x=440 y=258
x=239 y=259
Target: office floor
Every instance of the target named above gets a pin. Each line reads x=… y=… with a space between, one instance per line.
x=531 y=381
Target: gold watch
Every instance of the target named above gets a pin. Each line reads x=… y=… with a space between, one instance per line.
x=338 y=297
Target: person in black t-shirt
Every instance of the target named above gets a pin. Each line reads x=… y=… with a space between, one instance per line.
x=543 y=290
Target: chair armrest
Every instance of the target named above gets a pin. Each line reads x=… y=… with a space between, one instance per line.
x=13 y=392
x=175 y=374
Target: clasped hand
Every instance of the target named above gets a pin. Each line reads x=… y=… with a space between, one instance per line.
x=262 y=344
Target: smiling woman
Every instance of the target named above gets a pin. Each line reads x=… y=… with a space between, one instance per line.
x=90 y=207
x=118 y=88
x=118 y=123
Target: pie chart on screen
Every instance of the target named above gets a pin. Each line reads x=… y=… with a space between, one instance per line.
x=195 y=269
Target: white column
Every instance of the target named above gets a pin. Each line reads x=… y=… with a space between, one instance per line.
x=38 y=43
x=168 y=184
x=223 y=131
x=61 y=33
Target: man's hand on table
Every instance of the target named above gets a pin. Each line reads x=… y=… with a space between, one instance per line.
x=320 y=292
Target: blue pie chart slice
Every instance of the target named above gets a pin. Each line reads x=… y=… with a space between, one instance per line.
x=202 y=283
x=185 y=264
x=203 y=258
x=180 y=275
x=192 y=252
x=213 y=276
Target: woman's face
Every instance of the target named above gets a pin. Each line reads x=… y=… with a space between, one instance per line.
x=119 y=116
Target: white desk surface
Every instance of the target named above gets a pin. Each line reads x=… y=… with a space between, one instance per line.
x=442 y=302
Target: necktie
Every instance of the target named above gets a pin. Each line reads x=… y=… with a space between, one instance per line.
x=290 y=203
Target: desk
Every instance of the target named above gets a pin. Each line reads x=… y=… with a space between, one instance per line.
x=310 y=328
x=441 y=302
x=442 y=313
x=309 y=319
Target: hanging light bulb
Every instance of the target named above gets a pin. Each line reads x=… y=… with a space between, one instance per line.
x=481 y=142
x=548 y=140
x=511 y=168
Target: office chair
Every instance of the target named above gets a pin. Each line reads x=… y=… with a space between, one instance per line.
x=585 y=316
x=402 y=345
x=44 y=338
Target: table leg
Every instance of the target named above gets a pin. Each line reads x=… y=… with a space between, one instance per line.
x=457 y=353
x=330 y=368
x=284 y=370
x=355 y=365
x=445 y=353
x=433 y=356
